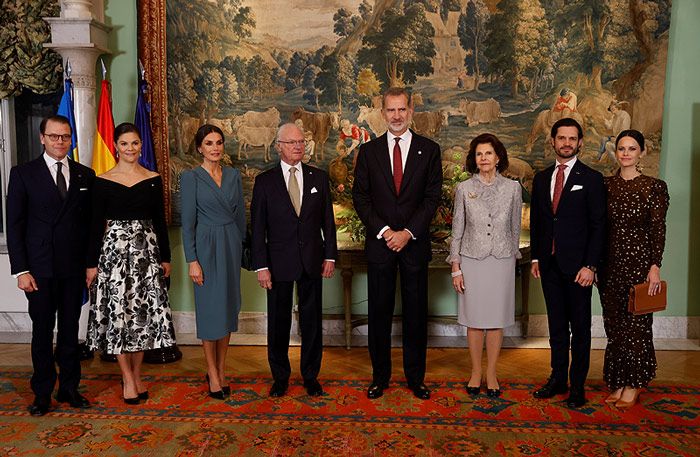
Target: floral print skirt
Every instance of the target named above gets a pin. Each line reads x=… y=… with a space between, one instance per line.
x=129 y=308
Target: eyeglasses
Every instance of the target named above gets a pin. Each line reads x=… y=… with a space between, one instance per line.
x=54 y=137
x=294 y=142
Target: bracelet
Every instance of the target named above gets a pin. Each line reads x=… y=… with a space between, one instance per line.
x=456 y=273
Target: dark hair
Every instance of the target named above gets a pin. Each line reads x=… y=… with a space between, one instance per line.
x=636 y=134
x=395 y=92
x=55 y=118
x=125 y=127
x=487 y=138
x=205 y=130
x=566 y=122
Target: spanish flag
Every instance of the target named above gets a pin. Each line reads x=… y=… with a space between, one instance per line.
x=103 y=157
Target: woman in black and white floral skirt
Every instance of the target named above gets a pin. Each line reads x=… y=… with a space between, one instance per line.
x=128 y=261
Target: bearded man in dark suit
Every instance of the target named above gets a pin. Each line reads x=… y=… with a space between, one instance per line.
x=48 y=211
x=398 y=179
x=567 y=232
x=293 y=240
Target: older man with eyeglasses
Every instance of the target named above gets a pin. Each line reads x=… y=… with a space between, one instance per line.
x=48 y=209
x=293 y=240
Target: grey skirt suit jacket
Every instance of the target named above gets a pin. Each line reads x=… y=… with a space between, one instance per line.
x=486 y=219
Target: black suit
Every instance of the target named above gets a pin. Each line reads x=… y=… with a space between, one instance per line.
x=46 y=237
x=377 y=204
x=578 y=232
x=293 y=248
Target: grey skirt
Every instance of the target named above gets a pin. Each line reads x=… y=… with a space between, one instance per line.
x=489 y=297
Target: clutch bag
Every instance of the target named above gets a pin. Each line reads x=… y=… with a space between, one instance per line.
x=641 y=302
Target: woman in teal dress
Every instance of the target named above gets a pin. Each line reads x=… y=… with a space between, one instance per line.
x=213 y=227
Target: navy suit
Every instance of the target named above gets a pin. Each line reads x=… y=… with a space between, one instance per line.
x=293 y=248
x=46 y=236
x=577 y=232
x=378 y=205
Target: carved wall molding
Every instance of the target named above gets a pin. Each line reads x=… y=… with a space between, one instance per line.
x=152 y=52
x=84 y=81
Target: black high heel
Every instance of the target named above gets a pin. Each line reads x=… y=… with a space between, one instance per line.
x=473 y=390
x=130 y=401
x=219 y=394
x=226 y=390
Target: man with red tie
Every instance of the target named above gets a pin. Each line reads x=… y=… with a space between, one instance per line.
x=398 y=179
x=567 y=230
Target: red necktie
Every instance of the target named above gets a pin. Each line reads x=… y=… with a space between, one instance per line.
x=398 y=166
x=558 y=188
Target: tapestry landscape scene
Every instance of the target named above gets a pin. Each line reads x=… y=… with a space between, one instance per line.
x=510 y=67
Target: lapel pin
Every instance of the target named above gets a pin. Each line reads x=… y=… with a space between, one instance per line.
x=420 y=152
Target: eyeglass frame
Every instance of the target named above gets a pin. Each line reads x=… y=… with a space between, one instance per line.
x=294 y=142
x=54 y=137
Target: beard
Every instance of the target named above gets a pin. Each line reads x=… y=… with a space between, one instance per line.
x=566 y=154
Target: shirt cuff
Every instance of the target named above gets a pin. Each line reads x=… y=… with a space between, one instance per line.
x=534 y=261
x=17 y=275
x=329 y=260
x=261 y=269
x=381 y=232
x=411 y=233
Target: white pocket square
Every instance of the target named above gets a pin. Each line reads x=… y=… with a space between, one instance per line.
x=576 y=187
x=83 y=188
x=313 y=190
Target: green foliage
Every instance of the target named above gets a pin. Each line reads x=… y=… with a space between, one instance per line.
x=335 y=80
x=473 y=34
x=351 y=224
x=400 y=49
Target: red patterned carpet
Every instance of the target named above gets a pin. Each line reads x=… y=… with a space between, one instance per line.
x=181 y=420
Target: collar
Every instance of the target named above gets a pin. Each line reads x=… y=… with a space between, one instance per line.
x=569 y=165
x=405 y=137
x=285 y=167
x=50 y=161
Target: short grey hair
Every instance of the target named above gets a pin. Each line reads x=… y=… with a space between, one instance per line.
x=286 y=127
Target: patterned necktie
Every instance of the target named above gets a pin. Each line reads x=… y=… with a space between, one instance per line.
x=558 y=186
x=293 y=189
x=61 y=181
x=398 y=166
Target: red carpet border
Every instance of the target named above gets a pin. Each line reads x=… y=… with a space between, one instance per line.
x=180 y=419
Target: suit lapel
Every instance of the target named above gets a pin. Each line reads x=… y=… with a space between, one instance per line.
x=573 y=178
x=76 y=179
x=282 y=189
x=546 y=188
x=413 y=160
x=308 y=185
x=383 y=163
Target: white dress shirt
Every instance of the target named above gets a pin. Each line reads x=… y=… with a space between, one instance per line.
x=300 y=178
x=53 y=169
x=569 y=165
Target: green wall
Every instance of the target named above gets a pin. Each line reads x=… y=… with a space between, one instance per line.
x=680 y=158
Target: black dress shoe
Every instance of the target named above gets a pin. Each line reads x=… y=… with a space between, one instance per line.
x=576 y=399
x=40 y=406
x=217 y=394
x=376 y=390
x=420 y=391
x=73 y=398
x=550 y=389
x=313 y=388
x=279 y=388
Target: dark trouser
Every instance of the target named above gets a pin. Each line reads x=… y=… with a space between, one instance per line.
x=381 y=285
x=62 y=297
x=568 y=313
x=279 y=324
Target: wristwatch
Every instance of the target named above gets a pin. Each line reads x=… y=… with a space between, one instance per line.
x=592 y=268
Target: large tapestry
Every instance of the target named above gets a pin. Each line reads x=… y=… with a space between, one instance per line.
x=510 y=67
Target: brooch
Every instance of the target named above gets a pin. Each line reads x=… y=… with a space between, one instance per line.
x=472 y=194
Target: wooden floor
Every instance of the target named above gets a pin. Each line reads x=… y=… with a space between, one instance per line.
x=674 y=366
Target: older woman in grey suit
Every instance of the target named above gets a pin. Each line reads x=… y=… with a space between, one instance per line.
x=485 y=245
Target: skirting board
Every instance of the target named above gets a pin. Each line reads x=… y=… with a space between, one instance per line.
x=256 y=323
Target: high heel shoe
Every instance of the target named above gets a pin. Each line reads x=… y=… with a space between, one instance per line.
x=614 y=397
x=143 y=395
x=473 y=390
x=226 y=390
x=493 y=393
x=625 y=405
x=127 y=400
x=219 y=394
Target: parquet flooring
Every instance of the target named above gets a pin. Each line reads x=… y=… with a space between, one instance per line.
x=674 y=366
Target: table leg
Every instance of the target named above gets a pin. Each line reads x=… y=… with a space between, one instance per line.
x=346 y=273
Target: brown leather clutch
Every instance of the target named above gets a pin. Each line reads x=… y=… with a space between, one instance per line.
x=642 y=303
